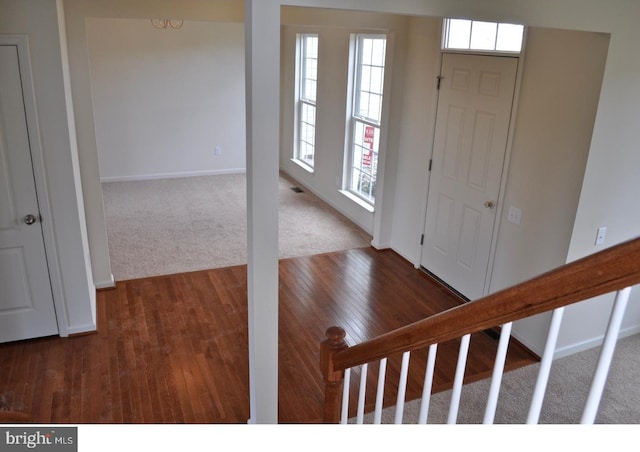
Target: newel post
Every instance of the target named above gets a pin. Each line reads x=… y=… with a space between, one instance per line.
x=333 y=379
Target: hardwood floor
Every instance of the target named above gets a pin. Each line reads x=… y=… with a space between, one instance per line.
x=173 y=349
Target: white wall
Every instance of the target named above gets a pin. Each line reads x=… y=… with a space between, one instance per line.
x=559 y=95
x=76 y=11
x=416 y=132
x=163 y=99
x=56 y=169
x=334 y=30
x=611 y=182
x=562 y=74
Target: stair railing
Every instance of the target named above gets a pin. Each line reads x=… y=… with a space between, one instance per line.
x=615 y=269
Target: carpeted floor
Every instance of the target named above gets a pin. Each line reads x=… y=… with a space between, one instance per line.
x=566 y=394
x=165 y=226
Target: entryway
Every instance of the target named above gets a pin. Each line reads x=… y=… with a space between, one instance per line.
x=472 y=125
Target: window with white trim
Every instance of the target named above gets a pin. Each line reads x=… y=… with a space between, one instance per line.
x=306 y=88
x=464 y=34
x=366 y=116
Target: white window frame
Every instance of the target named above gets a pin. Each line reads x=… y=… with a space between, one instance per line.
x=301 y=141
x=354 y=117
x=469 y=47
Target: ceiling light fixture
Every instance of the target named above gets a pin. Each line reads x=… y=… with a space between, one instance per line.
x=167 y=23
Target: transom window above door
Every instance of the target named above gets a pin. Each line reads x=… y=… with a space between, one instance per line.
x=475 y=35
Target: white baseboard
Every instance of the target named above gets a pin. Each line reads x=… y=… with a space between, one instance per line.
x=591 y=343
x=109 y=284
x=140 y=177
x=567 y=350
x=381 y=246
x=89 y=328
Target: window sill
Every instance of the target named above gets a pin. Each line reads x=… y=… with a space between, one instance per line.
x=303 y=165
x=361 y=202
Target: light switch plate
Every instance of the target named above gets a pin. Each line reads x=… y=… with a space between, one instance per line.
x=602 y=232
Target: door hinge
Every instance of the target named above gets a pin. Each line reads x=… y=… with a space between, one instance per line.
x=422 y=239
x=439 y=77
x=430 y=163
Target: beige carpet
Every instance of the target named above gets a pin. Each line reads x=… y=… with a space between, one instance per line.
x=166 y=226
x=566 y=394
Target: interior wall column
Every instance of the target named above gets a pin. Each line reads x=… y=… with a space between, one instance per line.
x=262 y=60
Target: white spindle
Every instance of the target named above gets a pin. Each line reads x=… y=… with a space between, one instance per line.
x=606 y=355
x=344 y=418
x=362 y=392
x=498 y=371
x=427 y=385
x=545 y=367
x=457 y=382
x=377 y=418
x=402 y=387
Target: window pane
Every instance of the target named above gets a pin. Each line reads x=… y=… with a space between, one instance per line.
x=311 y=43
x=377 y=80
x=311 y=69
x=365 y=78
x=375 y=107
x=366 y=51
x=309 y=91
x=483 y=35
x=480 y=35
x=377 y=57
x=365 y=160
x=363 y=108
x=509 y=37
x=459 y=34
x=366 y=136
x=358 y=135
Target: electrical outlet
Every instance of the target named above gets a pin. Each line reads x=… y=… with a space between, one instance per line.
x=602 y=231
x=217 y=150
x=515 y=215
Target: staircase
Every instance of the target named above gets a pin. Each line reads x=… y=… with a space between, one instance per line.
x=615 y=269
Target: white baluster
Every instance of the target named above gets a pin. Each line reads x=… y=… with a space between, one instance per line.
x=345 y=397
x=498 y=371
x=402 y=387
x=606 y=355
x=457 y=382
x=427 y=385
x=545 y=367
x=377 y=418
x=361 y=394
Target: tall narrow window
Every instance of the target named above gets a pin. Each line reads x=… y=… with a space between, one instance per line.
x=306 y=87
x=366 y=116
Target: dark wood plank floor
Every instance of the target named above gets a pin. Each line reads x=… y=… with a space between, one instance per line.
x=173 y=349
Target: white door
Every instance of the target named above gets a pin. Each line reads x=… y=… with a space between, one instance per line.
x=472 y=125
x=26 y=300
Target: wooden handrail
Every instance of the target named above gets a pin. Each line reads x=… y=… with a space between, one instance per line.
x=606 y=271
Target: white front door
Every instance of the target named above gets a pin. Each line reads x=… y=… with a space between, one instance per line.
x=472 y=125
x=26 y=300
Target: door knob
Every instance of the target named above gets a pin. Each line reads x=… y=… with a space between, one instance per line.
x=29 y=219
x=489 y=204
